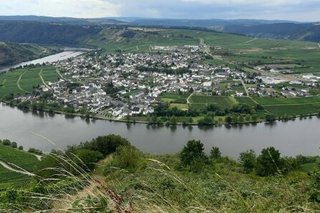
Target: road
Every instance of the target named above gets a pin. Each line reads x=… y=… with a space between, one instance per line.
x=21 y=171
x=18 y=83
x=43 y=81
x=188 y=99
x=247 y=42
x=245 y=87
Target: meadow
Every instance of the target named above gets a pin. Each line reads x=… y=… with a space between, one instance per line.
x=232 y=49
x=24 y=80
x=20 y=159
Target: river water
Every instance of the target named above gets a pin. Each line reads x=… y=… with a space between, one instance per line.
x=69 y=53
x=45 y=132
x=57 y=132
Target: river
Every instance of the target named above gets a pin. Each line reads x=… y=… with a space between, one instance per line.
x=67 y=53
x=46 y=132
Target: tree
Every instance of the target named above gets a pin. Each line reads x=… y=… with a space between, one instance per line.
x=88 y=158
x=14 y=145
x=103 y=144
x=129 y=158
x=248 y=160
x=207 y=121
x=192 y=152
x=269 y=162
x=228 y=120
x=215 y=153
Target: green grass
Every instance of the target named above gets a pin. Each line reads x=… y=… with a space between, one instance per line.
x=22 y=159
x=29 y=78
x=220 y=187
x=12 y=179
x=246 y=100
x=201 y=101
x=174 y=98
x=19 y=158
x=290 y=106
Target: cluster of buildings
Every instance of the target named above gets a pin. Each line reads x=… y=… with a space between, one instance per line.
x=122 y=84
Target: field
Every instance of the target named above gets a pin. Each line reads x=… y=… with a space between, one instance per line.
x=19 y=158
x=201 y=101
x=22 y=81
x=230 y=48
x=276 y=106
x=174 y=98
x=290 y=106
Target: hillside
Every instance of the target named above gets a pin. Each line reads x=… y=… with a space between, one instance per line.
x=306 y=32
x=13 y=53
x=107 y=174
x=45 y=33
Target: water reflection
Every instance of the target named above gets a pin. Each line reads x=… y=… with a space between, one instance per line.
x=291 y=138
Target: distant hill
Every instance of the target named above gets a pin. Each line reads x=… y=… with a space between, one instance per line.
x=12 y=53
x=307 y=32
x=45 y=33
x=72 y=31
x=63 y=20
x=260 y=28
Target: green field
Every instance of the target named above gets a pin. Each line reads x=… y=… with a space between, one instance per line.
x=20 y=159
x=201 y=101
x=290 y=106
x=174 y=98
x=22 y=81
x=232 y=49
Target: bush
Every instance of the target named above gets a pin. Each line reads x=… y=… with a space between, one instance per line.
x=248 y=160
x=215 y=153
x=14 y=145
x=207 y=121
x=88 y=158
x=315 y=188
x=269 y=162
x=104 y=144
x=6 y=142
x=192 y=153
x=35 y=151
x=129 y=158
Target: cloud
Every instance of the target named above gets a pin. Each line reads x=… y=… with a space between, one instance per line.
x=70 y=8
x=300 y=10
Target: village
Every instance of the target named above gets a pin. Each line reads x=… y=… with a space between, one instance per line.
x=127 y=84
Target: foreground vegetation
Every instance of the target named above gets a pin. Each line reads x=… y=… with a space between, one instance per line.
x=107 y=174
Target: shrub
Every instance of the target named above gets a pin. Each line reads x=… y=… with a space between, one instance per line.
x=192 y=152
x=215 y=153
x=104 y=144
x=269 y=162
x=14 y=145
x=129 y=158
x=248 y=160
x=315 y=187
x=88 y=158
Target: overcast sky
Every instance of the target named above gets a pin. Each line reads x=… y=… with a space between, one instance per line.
x=298 y=10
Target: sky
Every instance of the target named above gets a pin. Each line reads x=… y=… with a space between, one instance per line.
x=297 y=10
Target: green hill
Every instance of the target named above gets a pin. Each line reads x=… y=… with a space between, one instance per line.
x=13 y=53
x=17 y=160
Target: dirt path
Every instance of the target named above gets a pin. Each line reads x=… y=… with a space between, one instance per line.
x=60 y=75
x=43 y=81
x=252 y=40
x=188 y=99
x=245 y=87
x=24 y=172
x=18 y=82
